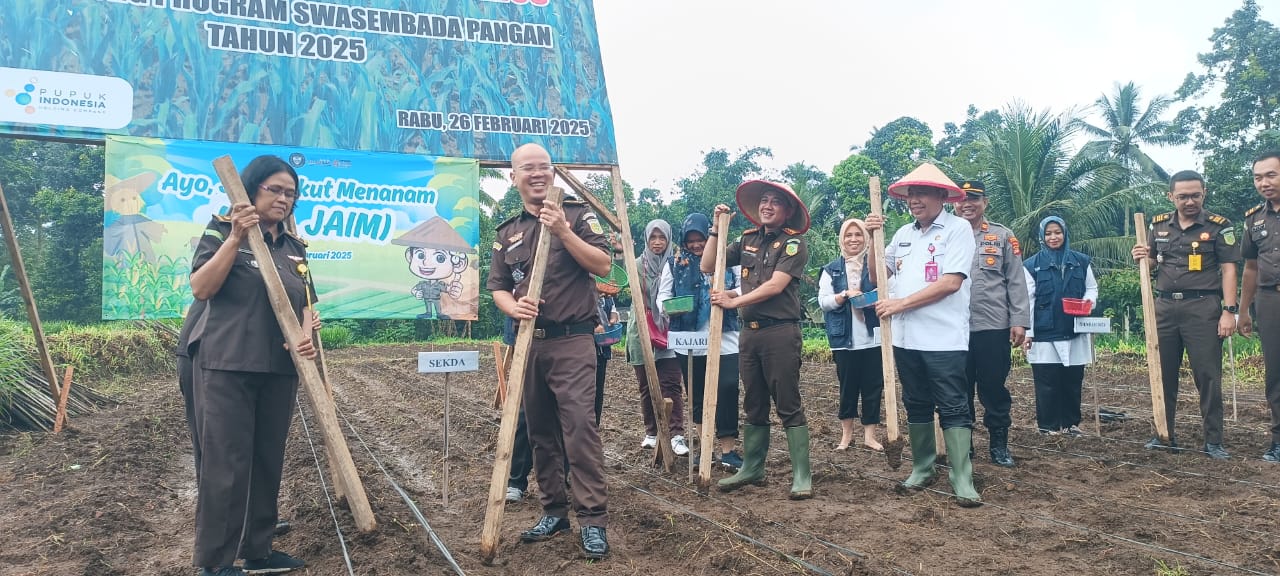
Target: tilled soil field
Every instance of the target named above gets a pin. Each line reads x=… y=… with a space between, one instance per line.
x=114 y=494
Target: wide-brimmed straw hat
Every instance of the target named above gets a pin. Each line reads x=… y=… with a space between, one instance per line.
x=750 y=192
x=930 y=176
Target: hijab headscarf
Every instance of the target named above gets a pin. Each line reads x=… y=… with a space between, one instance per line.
x=652 y=265
x=854 y=260
x=1056 y=257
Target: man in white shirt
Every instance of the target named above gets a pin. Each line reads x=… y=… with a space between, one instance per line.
x=929 y=263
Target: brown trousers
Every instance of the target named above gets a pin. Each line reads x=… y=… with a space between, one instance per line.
x=559 y=399
x=769 y=359
x=1268 y=318
x=1192 y=325
x=669 y=378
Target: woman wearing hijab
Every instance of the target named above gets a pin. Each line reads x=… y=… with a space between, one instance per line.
x=853 y=334
x=657 y=234
x=1058 y=355
x=683 y=276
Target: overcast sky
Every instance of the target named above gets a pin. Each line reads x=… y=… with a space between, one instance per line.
x=810 y=78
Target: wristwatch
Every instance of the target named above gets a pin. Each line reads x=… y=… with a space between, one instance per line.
x=1232 y=309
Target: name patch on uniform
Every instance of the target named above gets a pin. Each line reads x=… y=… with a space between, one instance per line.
x=991 y=250
x=904 y=244
x=750 y=248
x=990 y=237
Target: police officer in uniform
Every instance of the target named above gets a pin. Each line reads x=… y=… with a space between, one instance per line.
x=999 y=315
x=773 y=257
x=1195 y=286
x=1262 y=280
x=245 y=382
x=559 y=391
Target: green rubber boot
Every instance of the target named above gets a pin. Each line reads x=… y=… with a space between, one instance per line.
x=958 y=440
x=755 y=447
x=801 y=475
x=924 y=452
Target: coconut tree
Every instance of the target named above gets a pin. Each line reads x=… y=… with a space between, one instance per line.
x=1031 y=172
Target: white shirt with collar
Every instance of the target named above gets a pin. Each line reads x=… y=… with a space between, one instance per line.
x=943 y=325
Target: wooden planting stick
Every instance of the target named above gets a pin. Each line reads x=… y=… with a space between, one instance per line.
x=1153 y=340
x=33 y=316
x=308 y=374
x=711 y=388
x=663 y=454
x=893 y=437
x=61 y=415
x=586 y=195
x=496 y=505
x=501 y=357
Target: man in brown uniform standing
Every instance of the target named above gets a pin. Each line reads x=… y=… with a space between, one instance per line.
x=559 y=393
x=1262 y=278
x=1195 y=285
x=773 y=258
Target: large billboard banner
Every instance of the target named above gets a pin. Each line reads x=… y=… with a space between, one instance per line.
x=389 y=235
x=458 y=78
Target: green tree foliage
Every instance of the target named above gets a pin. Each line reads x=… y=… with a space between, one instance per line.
x=851 y=179
x=717 y=180
x=1126 y=125
x=1241 y=77
x=899 y=147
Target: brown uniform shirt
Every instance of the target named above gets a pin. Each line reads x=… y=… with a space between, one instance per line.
x=761 y=253
x=569 y=293
x=1262 y=242
x=1211 y=237
x=238 y=330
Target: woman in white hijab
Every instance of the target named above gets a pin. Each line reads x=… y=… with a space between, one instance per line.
x=657 y=235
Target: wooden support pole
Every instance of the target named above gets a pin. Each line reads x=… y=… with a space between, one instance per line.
x=893 y=436
x=61 y=416
x=496 y=505
x=28 y=299
x=586 y=195
x=1153 y=340
x=308 y=374
x=663 y=454
x=501 y=360
x=711 y=387
x=444 y=491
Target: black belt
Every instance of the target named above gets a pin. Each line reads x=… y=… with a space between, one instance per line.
x=758 y=324
x=549 y=331
x=1187 y=294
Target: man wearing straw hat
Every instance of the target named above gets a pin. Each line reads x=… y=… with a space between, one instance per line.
x=559 y=391
x=929 y=262
x=773 y=258
x=999 y=315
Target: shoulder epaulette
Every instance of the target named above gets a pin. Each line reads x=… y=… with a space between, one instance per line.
x=507 y=221
x=572 y=202
x=222 y=217
x=750 y=231
x=1219 y=220
x=791 y=231
x=296 y=237
x=1161 y=217
x=1253 y=210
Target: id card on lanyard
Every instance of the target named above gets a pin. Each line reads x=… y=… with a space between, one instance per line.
x=931 y=267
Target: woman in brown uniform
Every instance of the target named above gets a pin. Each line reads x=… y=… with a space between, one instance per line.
x=245 y=380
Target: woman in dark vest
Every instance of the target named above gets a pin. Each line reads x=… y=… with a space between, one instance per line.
x=651 y=261
x=853 y=333
x=683 y=277
x=1058 y=355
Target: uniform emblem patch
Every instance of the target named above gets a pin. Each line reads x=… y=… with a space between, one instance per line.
x=1162 y=233
x=746 y=272
x=991 y=250
x=1017 y=250
x=793 y=248
x=593 y=223
x=497 y=246
x=991 y=261
x=776 y=244
x=1204 y=235
x=990 y=237
x=1229 y=236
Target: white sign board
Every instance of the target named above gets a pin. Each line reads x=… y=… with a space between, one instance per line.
x=458 y=361
x=1093 y=325
x=687 y=340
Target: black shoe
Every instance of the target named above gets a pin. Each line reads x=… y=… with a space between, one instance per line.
x=227 y=571
x=1000 y=455
x=546 y=527
x=282 y=528
x=1216 y=451
x=1272 y=454
x=275 y=563
x=1155 y=443
x=595 y=546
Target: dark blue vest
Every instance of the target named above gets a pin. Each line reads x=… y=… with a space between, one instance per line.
x=687 y=280
x=838 y=322
x=1052 y=324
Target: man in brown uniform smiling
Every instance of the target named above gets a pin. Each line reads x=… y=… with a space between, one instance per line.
x=560 y=390
x=773 y=258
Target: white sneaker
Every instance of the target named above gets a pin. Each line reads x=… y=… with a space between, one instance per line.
x=678 y=446
x=649 y=442
x=514 y=494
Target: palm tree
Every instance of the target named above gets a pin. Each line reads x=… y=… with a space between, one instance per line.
x=1031 y=173
x=1125 y=127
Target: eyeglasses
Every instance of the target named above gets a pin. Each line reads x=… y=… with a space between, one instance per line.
x=1188 y=197
x=278 y=190
x=534 y=167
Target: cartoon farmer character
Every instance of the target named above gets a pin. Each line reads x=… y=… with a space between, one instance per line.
x=128 y=230
x=437 y=254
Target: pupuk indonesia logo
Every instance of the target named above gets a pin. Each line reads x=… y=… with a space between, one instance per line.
x=23 y=97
